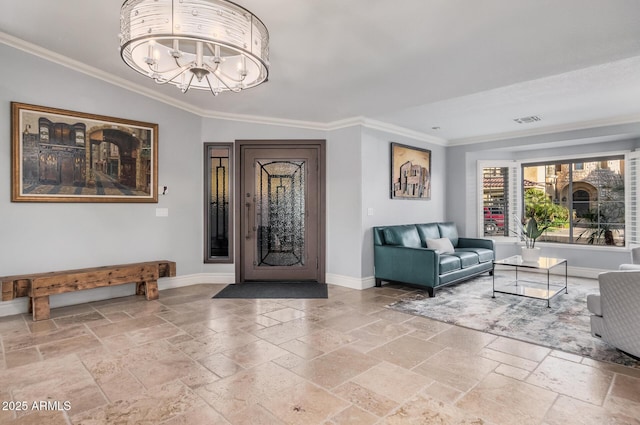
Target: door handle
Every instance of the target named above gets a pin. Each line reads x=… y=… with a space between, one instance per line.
x=248 y=218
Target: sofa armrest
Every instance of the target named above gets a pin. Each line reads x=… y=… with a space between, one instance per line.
x=628 y=266
x=593 y=304
x=476 y=243
x=419 y=266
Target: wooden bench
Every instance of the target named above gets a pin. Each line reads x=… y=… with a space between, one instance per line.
x=39 y=286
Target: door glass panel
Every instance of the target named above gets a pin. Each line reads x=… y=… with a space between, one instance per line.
x=218 y=234
x=280 y=213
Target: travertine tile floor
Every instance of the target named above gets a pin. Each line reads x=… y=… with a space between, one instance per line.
x=189 y=359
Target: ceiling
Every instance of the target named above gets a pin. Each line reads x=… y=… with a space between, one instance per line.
x=458 y=71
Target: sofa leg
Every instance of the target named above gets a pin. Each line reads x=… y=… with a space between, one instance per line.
x=490 y=272
x=431 y=291
x=378 y=283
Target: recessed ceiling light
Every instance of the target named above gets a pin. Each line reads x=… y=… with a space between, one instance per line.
x=527 y=120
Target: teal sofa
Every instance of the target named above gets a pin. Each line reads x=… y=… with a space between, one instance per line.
x=401 y=255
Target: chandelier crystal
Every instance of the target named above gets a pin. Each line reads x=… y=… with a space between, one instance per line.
x=210 y=45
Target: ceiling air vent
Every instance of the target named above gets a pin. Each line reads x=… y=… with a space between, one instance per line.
x=527 y=120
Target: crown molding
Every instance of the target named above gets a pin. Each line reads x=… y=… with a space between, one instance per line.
x=402 y=131
x=75 y=65
x=310 y=125
x=257 y=119
x=99 y=74
x=386 y=127
x=575 y=126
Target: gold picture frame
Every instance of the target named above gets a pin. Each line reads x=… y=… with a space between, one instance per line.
x=67 y=156
x=410 y=172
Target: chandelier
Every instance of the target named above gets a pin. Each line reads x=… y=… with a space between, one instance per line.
x=210 y=45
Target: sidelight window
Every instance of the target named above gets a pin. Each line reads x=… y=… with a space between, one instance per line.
x=218 y=203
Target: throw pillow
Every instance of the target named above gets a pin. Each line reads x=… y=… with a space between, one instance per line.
x=441 y=244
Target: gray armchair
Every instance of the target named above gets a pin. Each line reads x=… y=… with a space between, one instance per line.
x=635 y=260
x=616 y=311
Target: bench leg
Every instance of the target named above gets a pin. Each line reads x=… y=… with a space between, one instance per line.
x=40 y=308
x=151 y=289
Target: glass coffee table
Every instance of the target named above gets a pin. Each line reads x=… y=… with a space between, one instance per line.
x=529 y=287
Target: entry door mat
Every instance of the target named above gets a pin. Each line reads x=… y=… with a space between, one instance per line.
x=565 y=326
x=254 y=290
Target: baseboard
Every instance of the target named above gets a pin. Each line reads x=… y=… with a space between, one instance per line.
x=17 y=306
x=584 y=272
x=350 y=282
x=21 y=305
x=195 y=279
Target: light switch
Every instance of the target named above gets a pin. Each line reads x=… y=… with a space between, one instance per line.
x=162 y=212
x=369 y=211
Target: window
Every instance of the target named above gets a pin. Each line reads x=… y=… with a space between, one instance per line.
x=582 y=201
x=500 y=197
x=218 y=203
x=495 y=194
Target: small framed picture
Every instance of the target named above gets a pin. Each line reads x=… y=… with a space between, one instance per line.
x=410 y=172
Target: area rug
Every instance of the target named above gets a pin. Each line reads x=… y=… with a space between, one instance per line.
x=565 y=326
x=274 y=290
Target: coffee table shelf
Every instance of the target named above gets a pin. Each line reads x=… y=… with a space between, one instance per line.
x=528 y=287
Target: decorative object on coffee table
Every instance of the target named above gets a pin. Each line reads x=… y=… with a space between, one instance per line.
x=529 y=232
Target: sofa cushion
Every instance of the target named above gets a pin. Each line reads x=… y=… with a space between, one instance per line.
x=441 y=244
x=449 y=263
x=449 y=230
x=403 y=235
x=467 y=259
x=484 y=254
x=428 y=231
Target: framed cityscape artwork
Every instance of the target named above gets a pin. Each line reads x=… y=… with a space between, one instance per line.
x=67 y=156
x=410 y=172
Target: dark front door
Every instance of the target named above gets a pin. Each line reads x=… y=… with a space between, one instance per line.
x=281 y=204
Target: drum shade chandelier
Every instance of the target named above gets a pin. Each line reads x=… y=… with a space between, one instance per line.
x=210 y=45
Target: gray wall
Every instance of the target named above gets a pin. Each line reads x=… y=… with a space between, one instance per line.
x=53 y=236
x=344 y=185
